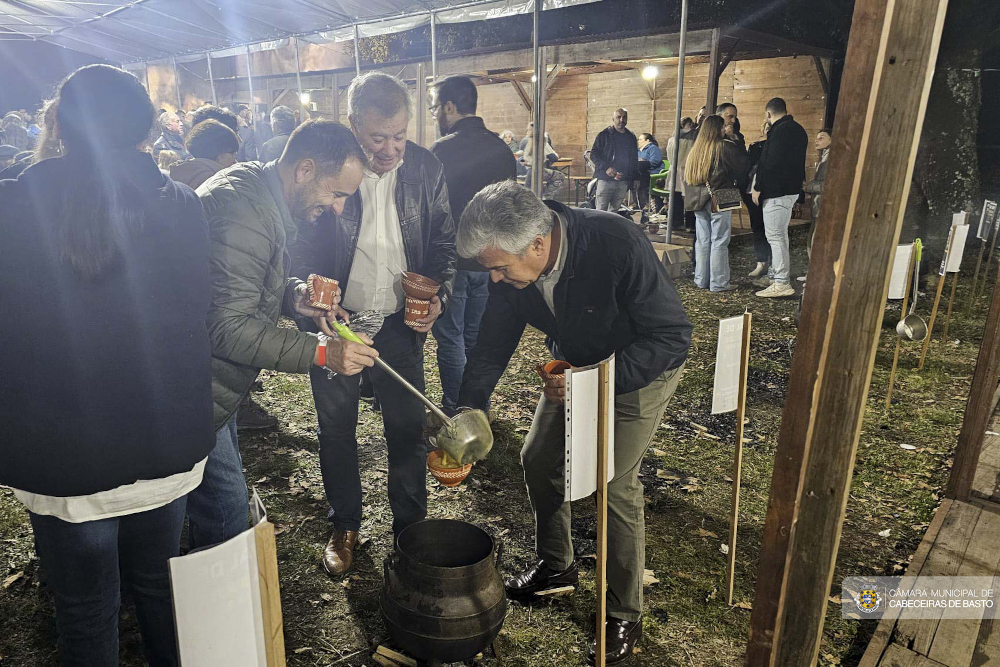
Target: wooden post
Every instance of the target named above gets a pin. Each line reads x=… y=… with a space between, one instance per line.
x=712 y=99
x=604 y=411
x=937 y=300
x=978 y=407
x=741 y=408
x=951 y=302
x=887 y=76
x=989 y=256
x=975 y=279
x=270 y=594
x=906 y=303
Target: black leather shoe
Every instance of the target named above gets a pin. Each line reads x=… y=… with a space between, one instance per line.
x=540 y=577
x=620 y=640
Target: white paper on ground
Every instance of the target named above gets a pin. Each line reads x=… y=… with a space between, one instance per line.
x=986 y=220
x=580 y=413
x=900 y=271
x=725 y=393
x=217 y=603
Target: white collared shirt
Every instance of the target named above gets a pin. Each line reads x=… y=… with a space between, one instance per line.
x=546 y=284
x=379 y=259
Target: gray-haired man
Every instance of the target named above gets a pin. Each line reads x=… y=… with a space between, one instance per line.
x=591 y=282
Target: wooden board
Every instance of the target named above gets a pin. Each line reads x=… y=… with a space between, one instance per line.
x=986 y=483
x=897 y=656
x=270 y=594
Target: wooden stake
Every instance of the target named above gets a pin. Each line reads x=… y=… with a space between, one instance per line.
x=270 y=594
x=951 y=300
x=937 y=300
x=604 y=415
x=975 y=280
x=741 y=407
x=899 y=340
x=989 y=257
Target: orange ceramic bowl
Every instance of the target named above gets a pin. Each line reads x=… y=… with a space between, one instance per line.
x=418 y=286
x=446 y=476
x=555 y=367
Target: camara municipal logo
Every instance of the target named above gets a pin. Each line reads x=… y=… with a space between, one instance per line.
x=868 y=600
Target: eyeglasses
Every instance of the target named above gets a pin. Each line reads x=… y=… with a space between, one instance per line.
x=433 y=109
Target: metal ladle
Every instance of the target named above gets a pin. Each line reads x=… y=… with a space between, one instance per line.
x=912 y=327
x=466 y=437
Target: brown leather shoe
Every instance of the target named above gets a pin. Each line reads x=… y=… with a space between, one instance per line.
x=338 y=557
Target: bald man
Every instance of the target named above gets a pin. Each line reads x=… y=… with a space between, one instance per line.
x=616 y=157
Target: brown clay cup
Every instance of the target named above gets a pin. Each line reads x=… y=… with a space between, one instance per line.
x=416 y=309
x=552 y=369
x=444 y=475
x=418 y=286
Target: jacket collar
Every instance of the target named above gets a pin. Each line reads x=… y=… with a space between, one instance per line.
x=571 y=233
x=781 y=120
x=274 y=185
x=466 y=124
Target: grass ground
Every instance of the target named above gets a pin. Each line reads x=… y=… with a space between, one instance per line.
x=686 y=475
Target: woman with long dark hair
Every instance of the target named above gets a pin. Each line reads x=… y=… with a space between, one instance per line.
x=107 y=387
x=716 y=166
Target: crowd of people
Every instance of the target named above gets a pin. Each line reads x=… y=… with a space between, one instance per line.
x=159 y=292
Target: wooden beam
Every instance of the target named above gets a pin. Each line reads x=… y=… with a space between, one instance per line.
x=887 y=76
x=712 y=97
x=729 y=56
x=550 y=78
x=821 y=71
x=519 y=89
x=788 y=46
x=979 y=405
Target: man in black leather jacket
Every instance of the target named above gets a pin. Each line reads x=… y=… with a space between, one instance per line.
x=399 y=220
x=590 y=281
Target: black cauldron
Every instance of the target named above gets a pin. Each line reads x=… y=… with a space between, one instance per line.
x=443 y=598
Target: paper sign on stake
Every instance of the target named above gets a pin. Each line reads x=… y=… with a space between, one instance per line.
x=986 y=220
x=900 y=271
x=960 y=218
x=957 y=248
x=727 y=365
x=581 y=430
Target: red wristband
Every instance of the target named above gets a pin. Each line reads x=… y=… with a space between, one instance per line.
x=321 y=354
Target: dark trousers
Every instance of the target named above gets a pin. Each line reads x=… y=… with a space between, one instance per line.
x=86 y=565
x=761 y=248
x=402 y=417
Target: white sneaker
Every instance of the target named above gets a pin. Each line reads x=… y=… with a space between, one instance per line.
x=777 y=290
x=758 y=270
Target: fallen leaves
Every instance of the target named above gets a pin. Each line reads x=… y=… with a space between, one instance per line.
x=649 y=578
x=10 y=580
x=701 y=532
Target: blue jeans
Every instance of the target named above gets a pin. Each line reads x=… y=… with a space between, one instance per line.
x=457 y=329
x=611 y=194
x=218 y=508
x=711 y=248
x=87 y=564
x=777 y=215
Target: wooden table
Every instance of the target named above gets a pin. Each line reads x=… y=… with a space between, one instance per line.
x=578 y=182
x=565 y=165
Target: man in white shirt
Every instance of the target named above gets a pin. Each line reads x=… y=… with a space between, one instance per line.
x=399 y=220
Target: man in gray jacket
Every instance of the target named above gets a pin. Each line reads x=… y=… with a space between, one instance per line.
x=251 y=211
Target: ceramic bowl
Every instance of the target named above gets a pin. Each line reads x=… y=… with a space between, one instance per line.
x=418 y=286
x=446 y=476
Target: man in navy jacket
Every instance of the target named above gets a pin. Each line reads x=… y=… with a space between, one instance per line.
x=591 y=282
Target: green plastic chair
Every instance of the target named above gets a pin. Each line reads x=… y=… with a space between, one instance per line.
x=657 y=178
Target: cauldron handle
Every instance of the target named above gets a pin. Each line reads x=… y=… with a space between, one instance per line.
x=388 y=563
x=499 y=554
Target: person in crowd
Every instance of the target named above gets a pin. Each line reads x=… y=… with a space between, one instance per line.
x=35 y=125
x=815 y=187
x=248 y=138
x=530 y=133
x=262 y=128
x=616 y=157
x=570 y=272
x=472 y=157
x=252 y=209
x=170 y=138
x=702 y=112
x=14 y=132
x=650 y=162
x=168 y=159
x=715 y=162
x=46 y=144
x=213 y=147
x=729 y=113
x=282 y=124
x=528 y=158
x=686 y=137
x=776 y=187
x=121 y=252
x=210 y=111
x=761 y=248
x=508 y=138
x=7 y=154
x=400 y=220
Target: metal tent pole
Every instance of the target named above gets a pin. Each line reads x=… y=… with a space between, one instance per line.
x=211 y=80
x=298 y=72
x=357 y=52
x=434 y=54
x=177 y=83
x=538 y=135
x=681 y=51
x=253 y=116
x=421 y=103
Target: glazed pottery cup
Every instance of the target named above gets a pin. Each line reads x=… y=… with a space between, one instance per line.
x=416 y=309
x=418 y=286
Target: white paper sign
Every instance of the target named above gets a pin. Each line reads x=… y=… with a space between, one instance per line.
x=217 y=603
x=725 y=393
x=986 y=220
x=581 y=429
x=952 y=260
x=960 y=218
x=900 y=271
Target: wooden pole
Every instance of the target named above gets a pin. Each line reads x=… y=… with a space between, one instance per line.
x=712 y=97
x=947 y=317
x=886 y=81
x=906 y=303
x=978 y=407
x=989 y=256
x=975 y=279
x=937 y=300
x=741 y=408
x=605 y=421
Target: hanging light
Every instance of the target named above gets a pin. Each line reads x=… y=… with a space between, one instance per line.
x=305 y=97
x=534 y=78
x=649 y=72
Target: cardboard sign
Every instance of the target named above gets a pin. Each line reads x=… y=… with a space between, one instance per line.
x=227 y=606
x=952 y=260
x=986 y=220
x=900 y=271
x=725 y=392
x=581 y=430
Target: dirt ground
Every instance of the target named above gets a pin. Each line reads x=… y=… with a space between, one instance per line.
x=686 y=473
